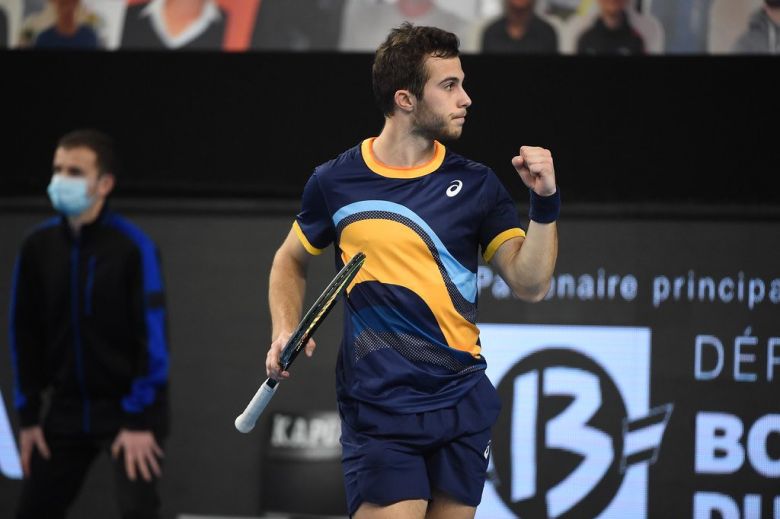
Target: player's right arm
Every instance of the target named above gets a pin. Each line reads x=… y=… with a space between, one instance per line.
x=286 y=289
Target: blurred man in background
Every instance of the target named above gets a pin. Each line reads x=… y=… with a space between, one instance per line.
x=520 y=30
x=67 y=32
x=763 y=32
x=685 y=24
x=40 y=16
x=611 y=32
x=298 y=25
x=88 y=342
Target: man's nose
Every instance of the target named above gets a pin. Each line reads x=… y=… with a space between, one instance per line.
x=466 y=100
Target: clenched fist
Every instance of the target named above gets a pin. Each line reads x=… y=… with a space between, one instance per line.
x=535 y=167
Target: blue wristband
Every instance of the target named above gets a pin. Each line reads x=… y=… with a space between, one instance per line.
x=545 y=209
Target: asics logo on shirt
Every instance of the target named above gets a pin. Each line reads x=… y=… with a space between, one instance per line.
x=454 y=188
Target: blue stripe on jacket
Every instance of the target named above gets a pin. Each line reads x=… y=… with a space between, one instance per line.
x=144 y=388
x=20 y=399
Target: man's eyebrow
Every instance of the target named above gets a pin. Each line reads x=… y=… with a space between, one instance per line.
x=71 y=169
x=456 y=79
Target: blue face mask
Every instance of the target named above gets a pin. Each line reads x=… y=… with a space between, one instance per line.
x=69 y=195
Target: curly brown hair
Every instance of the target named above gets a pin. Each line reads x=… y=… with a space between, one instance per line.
x=399 y=63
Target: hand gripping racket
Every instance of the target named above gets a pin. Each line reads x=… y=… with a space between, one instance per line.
x=245 y=422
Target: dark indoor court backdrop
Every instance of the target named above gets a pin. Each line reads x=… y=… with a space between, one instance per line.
x=649 y=130
x=666 y=167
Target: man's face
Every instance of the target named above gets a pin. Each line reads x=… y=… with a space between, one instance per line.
x=66 y=6
x=519 y=4
x=441 y=112
x=79 y=162
x=613 y=7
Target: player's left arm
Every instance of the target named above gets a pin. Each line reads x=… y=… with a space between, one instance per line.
x=527 y=264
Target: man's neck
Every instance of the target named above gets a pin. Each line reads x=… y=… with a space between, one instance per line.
x=398 y=147
x=77 y=222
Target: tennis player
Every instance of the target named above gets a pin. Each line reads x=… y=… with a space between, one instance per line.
x=416 y=406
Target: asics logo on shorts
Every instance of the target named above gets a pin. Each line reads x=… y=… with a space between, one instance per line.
x=487 y=450
x=455 y=187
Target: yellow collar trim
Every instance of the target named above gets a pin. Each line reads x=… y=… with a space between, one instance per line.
x=366 y=149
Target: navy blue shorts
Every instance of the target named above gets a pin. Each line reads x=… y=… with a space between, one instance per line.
x=395 y=457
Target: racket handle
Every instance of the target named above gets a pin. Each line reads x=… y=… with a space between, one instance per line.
x=246 y=421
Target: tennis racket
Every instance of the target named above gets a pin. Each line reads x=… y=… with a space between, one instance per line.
x=246 y=421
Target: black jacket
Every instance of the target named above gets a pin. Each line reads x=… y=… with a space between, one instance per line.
x=88 y=328
x=540 y=38
x=600 y=39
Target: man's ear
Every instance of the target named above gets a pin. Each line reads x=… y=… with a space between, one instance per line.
x=405 y=100
x=105 y=184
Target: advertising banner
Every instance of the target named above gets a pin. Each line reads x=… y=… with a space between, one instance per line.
x=646 y=383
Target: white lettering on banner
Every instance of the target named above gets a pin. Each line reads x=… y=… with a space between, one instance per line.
x=771 y=359
x=500 y=289
x=484 y=277
x=706 y=289
x=740 y=357
x=718 y=433
x=523 y=449
x=304 y=433
x=570 y=393
x=705 y=504
x=10 y=466
x=605 y=286
x=569 y=431
x=752 y=507
x=709 y=357
x=699 y=372
x=586 y=287
x=279 y=430
x=757 y=441
x=719 y=449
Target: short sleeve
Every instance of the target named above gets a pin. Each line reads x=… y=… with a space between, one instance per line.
x=501 y=221
x=313 y=224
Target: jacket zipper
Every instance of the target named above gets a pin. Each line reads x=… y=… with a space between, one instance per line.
x=74 y=285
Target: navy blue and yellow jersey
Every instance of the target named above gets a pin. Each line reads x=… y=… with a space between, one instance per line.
x=410 y=340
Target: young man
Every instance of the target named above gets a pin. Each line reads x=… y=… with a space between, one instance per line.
x=520 y=31
x=416 y=406
x=762 y=35
x=67 y=32
x=88 y=342
x=612 y=32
